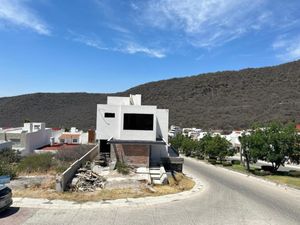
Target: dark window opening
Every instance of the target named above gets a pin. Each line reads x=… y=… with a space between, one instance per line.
x=138 y=121
x=104 y=146
x=109 y=115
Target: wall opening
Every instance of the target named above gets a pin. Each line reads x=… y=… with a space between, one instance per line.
x=134 y=121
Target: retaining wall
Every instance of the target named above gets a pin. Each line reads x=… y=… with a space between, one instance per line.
x=65 y=178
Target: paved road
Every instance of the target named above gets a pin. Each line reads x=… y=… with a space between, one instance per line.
x=227 y=198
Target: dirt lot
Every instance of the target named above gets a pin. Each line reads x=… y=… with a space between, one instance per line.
x=43 y=187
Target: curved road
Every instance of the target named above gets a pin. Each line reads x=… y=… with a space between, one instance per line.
x=227 y=198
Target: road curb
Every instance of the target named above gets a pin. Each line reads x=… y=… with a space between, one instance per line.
x=125 y=202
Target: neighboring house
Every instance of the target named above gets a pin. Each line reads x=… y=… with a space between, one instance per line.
x=233 y=138
x=131 y=132
x=74 y=136
x=174 y=131
x=27 y=138
x=5 y=144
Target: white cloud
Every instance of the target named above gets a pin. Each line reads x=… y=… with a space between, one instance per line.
x=17 y=13
x=287 y=48
x=207 y=23
x=133 y=48
x=127 y=47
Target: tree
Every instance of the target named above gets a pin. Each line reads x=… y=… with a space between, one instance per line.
x=275 y=143
x=215 y=147
x=176 y=141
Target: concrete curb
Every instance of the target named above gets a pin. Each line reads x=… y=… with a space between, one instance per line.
x=250 y=176
x=132 y=202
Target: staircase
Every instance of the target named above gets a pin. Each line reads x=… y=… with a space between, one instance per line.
x=158 y=175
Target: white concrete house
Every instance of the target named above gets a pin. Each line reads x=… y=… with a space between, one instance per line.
x=132 y=132
x=74 y=136
x=27 y=138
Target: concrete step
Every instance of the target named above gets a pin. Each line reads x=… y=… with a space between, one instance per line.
x=155 y=176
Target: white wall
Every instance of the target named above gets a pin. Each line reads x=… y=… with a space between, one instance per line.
x=145 y=135
x=108 y=127
x=84 y=138
x=37 y=139
x=56 y=134
x=162 y=116
x=118 y=100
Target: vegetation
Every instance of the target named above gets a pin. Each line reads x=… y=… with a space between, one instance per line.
x=11 y=163
x=36 y=163
x=8 y=162
x=122 y=168
x=276 y=143
x=222 y=100
x=209 y=147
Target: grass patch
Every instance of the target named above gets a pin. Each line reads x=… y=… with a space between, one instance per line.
x=280 y=177
x=36 y=163
x=291 y=181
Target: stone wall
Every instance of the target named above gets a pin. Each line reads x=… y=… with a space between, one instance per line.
x=134 y=155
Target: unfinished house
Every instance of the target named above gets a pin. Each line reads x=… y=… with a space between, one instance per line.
x=27 y=138
x=133 y=133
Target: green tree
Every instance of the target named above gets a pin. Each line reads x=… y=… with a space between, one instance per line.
x=218 y=147
x=274 y=143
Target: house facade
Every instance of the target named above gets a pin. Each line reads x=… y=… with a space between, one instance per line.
x=27 y=138
x=131 y=132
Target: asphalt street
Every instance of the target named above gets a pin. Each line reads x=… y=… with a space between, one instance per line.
x=226 y=198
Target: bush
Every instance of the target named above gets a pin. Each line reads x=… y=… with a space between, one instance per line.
x=36 y=163
x=212 y=161
x=72 y=154
x=226 y=163
x=7 y=169
x=267 y=168
x=122 y=168
x=294 y=173
x=9 y=155
x=261 y=172
x=236 y=162
x=201 y=157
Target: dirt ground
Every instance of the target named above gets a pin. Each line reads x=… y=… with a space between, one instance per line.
x=123 y=187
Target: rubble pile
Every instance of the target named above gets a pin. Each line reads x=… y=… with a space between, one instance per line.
x=87 y=181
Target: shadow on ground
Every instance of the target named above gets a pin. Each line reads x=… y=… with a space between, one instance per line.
x=10 y=211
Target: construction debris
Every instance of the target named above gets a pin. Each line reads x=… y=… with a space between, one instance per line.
x=86 y=180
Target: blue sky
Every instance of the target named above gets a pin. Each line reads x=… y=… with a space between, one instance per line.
x=112 y=45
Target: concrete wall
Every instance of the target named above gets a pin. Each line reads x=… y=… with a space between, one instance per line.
x=162 y=116
x=113 y=127
x=84 y=138
x=108 y=127
x=133 y=155
x=145 y=135
x=56 y=134
x=36 y=140
x=65 y=178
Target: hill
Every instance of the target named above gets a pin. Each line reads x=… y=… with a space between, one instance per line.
x=221 y=100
